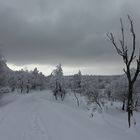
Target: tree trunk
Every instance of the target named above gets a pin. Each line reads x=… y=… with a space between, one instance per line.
x=123 y=106
x=136 y=103
x=76 y=99
x=130 y=104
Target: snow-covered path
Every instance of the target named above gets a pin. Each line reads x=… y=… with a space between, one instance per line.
x=35 y=117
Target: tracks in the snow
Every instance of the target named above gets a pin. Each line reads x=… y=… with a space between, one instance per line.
x=38 y=126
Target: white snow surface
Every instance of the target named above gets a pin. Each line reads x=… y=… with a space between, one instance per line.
x=37 y=116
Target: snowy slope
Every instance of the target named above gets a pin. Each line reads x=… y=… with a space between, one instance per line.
x=37 y=116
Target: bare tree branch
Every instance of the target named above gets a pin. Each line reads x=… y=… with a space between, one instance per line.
x=122 y=32
x=111 y=38
x=133 y=38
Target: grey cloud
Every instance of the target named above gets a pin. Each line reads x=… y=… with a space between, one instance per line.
x=72 y=32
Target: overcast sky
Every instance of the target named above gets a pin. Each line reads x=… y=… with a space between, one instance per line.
x=44 y=33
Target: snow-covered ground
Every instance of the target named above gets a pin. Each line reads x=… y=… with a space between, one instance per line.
x=37 y=116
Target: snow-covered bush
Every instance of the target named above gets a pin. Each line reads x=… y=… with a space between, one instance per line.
x=4 y=90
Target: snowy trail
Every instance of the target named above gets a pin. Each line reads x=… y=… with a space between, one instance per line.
x=35 y=117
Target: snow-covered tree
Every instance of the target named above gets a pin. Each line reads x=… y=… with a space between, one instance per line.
x=76 y=82
x=35 y=78
x=57 y=82
x=4 y=73
x=117 y=90
x=90 y=88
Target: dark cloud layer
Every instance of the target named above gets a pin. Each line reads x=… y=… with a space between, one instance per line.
x=69 y=31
